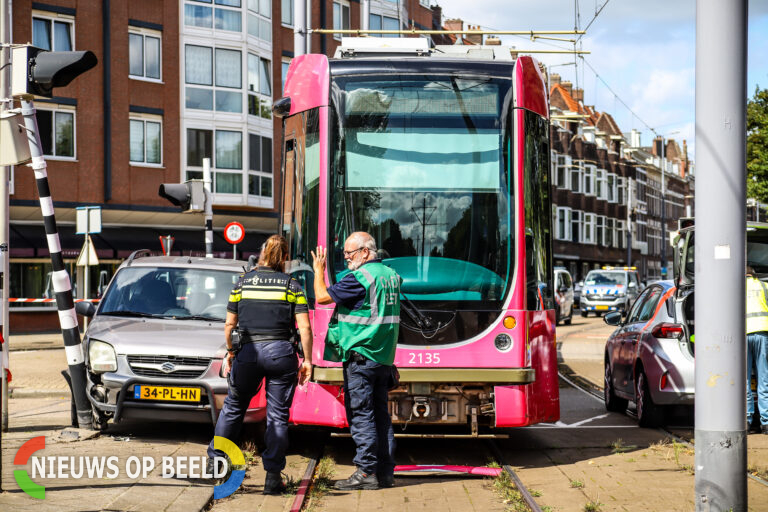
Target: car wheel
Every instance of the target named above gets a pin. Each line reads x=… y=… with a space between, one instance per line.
x=612 y=402
x=567 y=321
x=584 y=313
x=648 y=414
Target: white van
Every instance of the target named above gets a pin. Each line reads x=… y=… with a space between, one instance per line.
x=563 y=296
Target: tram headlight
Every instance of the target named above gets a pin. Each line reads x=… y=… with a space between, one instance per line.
x=503 y=342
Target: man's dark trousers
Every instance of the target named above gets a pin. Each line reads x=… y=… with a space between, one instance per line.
x=366 y=386
x=276 y=363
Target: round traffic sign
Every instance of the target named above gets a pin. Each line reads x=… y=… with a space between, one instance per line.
x=234 y=232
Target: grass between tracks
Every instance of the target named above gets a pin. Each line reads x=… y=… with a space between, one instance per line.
x=321 y=483
x=507 y=491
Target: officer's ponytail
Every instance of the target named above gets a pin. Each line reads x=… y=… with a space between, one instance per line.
x=274 y=253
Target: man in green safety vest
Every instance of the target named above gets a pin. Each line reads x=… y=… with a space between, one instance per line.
x=363 y=335
x=757 y=346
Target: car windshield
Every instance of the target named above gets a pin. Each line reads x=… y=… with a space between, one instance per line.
x=180 y=293
x=605 y=279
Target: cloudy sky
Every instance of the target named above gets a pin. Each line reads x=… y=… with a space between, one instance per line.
x=645 y=52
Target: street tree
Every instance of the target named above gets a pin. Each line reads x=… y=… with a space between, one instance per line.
x=757 y=145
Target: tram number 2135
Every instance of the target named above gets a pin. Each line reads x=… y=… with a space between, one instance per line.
x=424 y=358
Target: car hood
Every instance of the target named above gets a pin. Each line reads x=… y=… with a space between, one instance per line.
x=159 y=336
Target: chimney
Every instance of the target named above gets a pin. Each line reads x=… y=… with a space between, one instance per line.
x=568 y=86
x=634 y=138
x=474 y=38
x=454 y=24
x=578 y=94
x=554 y=78
x=656 y=149
x=493 y=41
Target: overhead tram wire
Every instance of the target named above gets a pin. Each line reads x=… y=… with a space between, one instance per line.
x=593 y=19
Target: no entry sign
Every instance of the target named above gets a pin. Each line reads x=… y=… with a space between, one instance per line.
x=234 y=232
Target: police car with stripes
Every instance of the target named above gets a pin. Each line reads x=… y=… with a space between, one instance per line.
x=609 y=289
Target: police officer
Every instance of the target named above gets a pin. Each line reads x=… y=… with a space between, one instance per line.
x=363 y=334
x=757 y=346
x=265 y=303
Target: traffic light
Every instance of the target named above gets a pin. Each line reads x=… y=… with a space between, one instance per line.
x=35 y=72
x=190 y=195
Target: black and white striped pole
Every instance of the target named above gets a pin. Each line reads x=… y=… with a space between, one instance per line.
x=35 y=72
x=208 y=208
x=62 y=286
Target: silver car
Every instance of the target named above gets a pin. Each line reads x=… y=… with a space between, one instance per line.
x=649 y=359
x=155 y=345
x=563 y=296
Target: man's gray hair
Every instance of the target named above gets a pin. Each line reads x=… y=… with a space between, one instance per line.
x=363 y=239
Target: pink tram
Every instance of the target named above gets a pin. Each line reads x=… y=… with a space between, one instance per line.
x=443 y=156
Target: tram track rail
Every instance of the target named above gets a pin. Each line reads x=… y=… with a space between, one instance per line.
x=521 y=488
x=592 y=390
x=301 y=500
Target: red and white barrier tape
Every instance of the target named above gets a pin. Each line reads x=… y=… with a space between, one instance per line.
x=22 y=299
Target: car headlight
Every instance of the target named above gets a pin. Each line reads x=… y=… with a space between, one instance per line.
x=102 y=357
x=622 y=294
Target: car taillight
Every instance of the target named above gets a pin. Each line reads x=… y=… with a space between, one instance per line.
x=668 y=331
x=663 y=383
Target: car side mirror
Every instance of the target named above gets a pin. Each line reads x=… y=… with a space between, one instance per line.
x=563 y=289
x=613 y=318
x=632 y=284
x=86 y=309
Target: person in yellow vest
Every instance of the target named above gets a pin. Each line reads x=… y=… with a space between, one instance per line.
x=757 y=347
x=363 y=335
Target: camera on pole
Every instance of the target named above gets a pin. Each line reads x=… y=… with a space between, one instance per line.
x=189 y=196
x=35 y=72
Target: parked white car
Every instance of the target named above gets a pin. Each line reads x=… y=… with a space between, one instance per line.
x=563 y=296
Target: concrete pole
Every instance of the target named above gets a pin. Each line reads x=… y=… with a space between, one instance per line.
x=5 y=174
x=721 y=97
x=365 y=21
x=208 y=208
x=299 y=27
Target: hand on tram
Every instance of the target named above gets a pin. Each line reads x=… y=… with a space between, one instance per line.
x=305 y=372
x=318 y=259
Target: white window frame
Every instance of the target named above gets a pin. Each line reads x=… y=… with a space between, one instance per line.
x=424 y=3
x=52 y=16
x=576 y=168
x=564 y=213
x=610 y=187
x=621 y=196
x=283 y=61
x=588 y=229
x=564 y=164
x=260 y=17
x=242 y=89
x=53 y=108
x=144 y=33
x=261 y=174
x=577 y=217
x=263 y=98
x=588 y=177
x=144 y=118
x=214 y=7
x=290 y=18
x=601 y=184
x=342 y=4
x=621 y=234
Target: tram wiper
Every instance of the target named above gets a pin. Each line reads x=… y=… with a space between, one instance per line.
x=422 y=321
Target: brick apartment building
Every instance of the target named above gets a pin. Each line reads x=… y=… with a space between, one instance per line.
x=177 y=81
x=606 y=189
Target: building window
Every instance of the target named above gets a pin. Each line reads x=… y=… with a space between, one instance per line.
x=225 y=18
x=576 y=223
x=374 y=23
x=340 y=17
x=621 y=234
x=225 y=149
x=611 y=187
x=563 y=231
x=286 y=63
x=379 y=22
x=601 y=190
x=260 y=19
x=259 y=86
x=199 y=146
x=287 y=12
x=146 y=135
x=600 y=231
x=621 y=190
x=562 y=174
x=57 y=132
x=588 y=180
x=424 y=3
x=144 y=59
x=200 y=63
x=52 y=32
x=259 y=165
x=575 y=172
x=588 y=231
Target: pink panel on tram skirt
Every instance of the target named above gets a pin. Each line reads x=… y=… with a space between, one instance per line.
x=307 y=82
x=318 y=404
x=259 y=400
x=531 y=90
x=518 y=406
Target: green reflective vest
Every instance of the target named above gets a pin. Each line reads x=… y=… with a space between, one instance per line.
x=372 y=329
x=757 y=306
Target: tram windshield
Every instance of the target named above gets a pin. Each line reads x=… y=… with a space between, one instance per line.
x=422 y=163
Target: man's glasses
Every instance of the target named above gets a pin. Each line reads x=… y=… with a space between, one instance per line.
x=347 y=254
